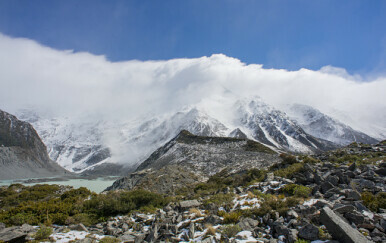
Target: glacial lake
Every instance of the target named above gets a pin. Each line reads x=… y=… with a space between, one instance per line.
x=96 y=185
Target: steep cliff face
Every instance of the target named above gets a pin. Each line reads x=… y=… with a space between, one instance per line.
x=22 y=153
x=190 y=158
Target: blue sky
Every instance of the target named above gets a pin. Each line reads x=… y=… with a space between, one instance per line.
x=278 y=34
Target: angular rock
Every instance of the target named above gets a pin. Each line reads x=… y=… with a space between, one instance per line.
x=2 y=226
x=355 y=218
x=189 y=204
x=12 y=234
x=248 y=224
x=191 y=231
x=339 y=229
x=213 y=220
x=326 y=186
x=309 y=232
x=344 y=209
x=333 y=180
x=78 y=227
x=352 y=195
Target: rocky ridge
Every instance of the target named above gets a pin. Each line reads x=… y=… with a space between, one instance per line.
x=189 y=158
x=22 y=153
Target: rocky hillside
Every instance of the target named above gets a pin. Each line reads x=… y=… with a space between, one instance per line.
x=338 y=196
x=22 y=153
x=189 y=158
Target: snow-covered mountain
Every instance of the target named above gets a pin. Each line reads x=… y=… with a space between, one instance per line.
x=118 y=146
x=322 y=126
x=272 y=127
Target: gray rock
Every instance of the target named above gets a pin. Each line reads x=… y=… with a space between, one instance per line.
x=153 y=235
x=269 y=177
x=344 y=209
x=352 y=167
x=339 y=229
x=293 y=236
x=127 y=238
x=12 y=234
x=248 y=224
x=351 y=195
x=139 y=237
x=309 y=232
x=2 y=226
x=333 y=180
x=381 y=171
x=292 y=214
x=326 y=186
x=281 y=229
x=191 y=231
x=355 y=218
x=213 y=219
x=78 y=227
x=383 y=224
x=189 y=204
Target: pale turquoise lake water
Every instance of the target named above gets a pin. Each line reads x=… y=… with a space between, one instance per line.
x=95 y=185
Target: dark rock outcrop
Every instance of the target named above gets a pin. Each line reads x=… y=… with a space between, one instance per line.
x=22 y=153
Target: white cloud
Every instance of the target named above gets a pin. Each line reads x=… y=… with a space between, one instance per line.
x=65 y=82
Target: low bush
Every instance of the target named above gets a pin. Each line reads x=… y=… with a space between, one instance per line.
x=43 y=233
x=289 y=171
x=374 y=202
x=230 y=230
x=296 y=190
x=232 y=217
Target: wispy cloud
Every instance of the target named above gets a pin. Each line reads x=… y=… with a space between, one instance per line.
x=64 y=82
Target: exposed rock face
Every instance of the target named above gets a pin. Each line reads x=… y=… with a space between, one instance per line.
x=22 y=153
x=189 y=158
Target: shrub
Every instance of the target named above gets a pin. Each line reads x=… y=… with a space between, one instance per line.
x=288 y=159
x=289 y=171
x=230 y=230
x=296 y=190
x=220 y=199
x=210 y=230
x=43 y=233
x=374 y=202
x=301 y=241
x=232 y=217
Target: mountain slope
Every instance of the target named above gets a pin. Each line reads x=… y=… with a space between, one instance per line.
x=22 y=153
x=189 y=157
x=322 y=126
x=273 y=127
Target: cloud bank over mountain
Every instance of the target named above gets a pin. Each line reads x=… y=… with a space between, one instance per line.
x=72 y=83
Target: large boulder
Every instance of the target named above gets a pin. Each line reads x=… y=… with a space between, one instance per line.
x=339 y=229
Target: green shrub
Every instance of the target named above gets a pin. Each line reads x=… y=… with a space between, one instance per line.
x=374 y=202
x=232 y=217
x=301 y=241
x=296 y=190
x=43 y=233
x=230 y=230
x=220 y=199
x=289 y=171
x=272 y=204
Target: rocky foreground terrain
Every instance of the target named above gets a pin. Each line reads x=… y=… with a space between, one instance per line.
x=339 y=196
